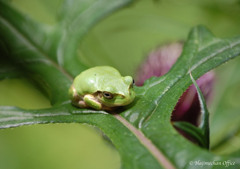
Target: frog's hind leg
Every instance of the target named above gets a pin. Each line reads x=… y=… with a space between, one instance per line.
x=91 y=101
x=79 y=102
x=76 y=99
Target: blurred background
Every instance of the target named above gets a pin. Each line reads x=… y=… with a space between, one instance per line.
x=122 y=40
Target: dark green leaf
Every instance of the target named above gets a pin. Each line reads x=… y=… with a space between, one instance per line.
x=192 y=131
x=7 y=69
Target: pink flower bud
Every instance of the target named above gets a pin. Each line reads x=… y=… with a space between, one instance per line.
x=159 y=63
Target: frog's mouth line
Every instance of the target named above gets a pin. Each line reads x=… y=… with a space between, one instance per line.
x=116 y=101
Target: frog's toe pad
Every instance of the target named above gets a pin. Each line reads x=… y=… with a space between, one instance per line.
x=92 y=102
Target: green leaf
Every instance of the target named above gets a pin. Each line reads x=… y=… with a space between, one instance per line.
x=75 y=20
x=200 y=133
x=141 y=132
x=192 y=131
x=204 y=121
x=196 y=58
x=134 y=154
x=8 y=70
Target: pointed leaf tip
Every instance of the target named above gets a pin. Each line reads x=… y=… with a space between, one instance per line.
x=204 y=121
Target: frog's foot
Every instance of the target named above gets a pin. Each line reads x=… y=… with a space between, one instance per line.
x=91 y=101
x=79 y=103
x=82 y=104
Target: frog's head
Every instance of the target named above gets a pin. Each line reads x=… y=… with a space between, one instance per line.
x=119 y=92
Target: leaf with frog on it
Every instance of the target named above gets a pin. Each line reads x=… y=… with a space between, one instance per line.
x=39 y=65
x=142 y=132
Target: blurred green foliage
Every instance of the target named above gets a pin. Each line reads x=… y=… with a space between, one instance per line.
x=125 y=38
x=121 y=40
x=225 y=119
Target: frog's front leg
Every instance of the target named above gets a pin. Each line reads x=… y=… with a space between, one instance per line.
x=91 y=101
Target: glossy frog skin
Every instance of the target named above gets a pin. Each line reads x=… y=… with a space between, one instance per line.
x=101 y=88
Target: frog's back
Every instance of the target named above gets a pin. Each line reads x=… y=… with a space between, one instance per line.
x=95 y=79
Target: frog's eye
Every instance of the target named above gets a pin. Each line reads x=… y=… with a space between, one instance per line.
x=131 y=86
x=107 y=95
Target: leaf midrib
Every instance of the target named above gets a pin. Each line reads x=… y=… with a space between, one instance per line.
x=147 y=143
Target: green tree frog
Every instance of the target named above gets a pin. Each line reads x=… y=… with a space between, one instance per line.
x=101 y=88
